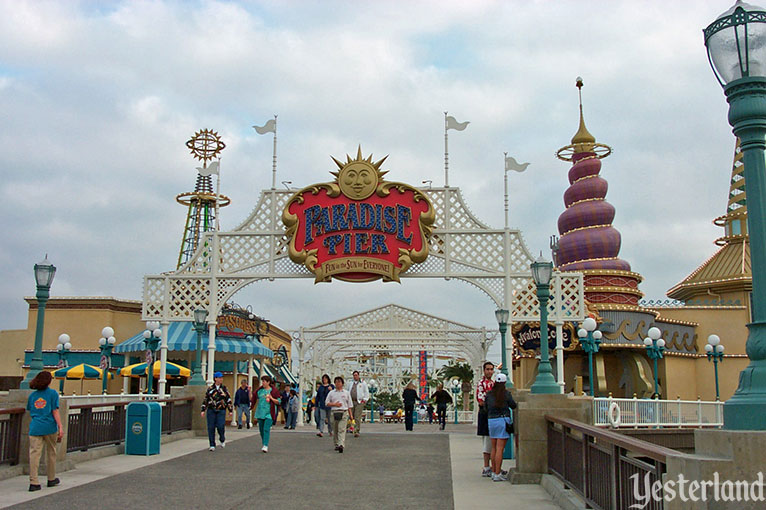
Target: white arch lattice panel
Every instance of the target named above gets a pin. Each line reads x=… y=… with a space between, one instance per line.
x=392 y=329
x=494 y=260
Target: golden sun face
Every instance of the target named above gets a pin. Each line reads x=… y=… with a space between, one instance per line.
x=358 y=178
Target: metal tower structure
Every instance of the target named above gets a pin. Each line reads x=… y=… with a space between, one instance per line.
x=202 y=205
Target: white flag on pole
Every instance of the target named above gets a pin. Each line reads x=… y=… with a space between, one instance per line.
x=212 y=168
x=452 y=123
x=512 y=164
x=269 y=127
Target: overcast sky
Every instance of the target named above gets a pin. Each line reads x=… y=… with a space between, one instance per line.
x=97 y=100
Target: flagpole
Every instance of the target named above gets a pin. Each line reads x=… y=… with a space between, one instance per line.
x=506 y=189
x=218 y=196
x=274 y=158
x=446 y=154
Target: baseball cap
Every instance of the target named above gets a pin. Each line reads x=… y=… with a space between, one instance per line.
x=501 y=378
x=217 y=374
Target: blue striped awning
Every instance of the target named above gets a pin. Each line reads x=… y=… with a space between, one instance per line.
x=183 y=337
x=288 y=376
x=260 y=367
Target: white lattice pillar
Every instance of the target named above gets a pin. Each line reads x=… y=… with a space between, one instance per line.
x=301 y=381
x=163 y=360
x=211 y=352
x=560 y=353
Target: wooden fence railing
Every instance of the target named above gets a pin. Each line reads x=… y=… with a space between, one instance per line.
x=600 y=464
x=92 y=425
x=10 y=434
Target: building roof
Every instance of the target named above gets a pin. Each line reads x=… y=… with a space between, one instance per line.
x=728 y=269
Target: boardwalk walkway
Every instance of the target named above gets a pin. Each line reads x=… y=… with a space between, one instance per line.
x=384 y=468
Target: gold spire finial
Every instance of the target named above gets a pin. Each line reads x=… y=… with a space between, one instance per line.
x=582 y=138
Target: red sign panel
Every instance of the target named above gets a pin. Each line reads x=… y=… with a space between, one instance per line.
x=359 y=227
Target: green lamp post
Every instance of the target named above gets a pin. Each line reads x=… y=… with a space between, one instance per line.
x=63 y=348
x=373 y=390
x=44 y=272
x=502 y=316
x=152 y=335
x=590 y=340
x=655 y=346
x=200 y=315
x=736 y=48
x=542 y=271
x=714 y=350
x=455 y=387
x=106 y=342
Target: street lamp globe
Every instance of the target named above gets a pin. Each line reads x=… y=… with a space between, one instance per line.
x=709 y=348
x=200 y=314
x=661 y=343
x=107 y=332
x=59 y=347
x=542 y=270
x=63 y=339
x=647 y=341
x=597 y=335
x=589 y=324
x=713 y=340
x=111 y=340
x=719 y=348
x=582 y=332
x=146 y=334
x=455 y=383
x=736 y=43
x=102 y=341
x=157 y=333
x=654 y=333
x=44 y=273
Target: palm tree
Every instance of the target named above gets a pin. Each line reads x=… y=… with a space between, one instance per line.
x=462 y=372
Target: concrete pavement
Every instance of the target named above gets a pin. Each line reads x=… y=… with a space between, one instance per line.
x=384 y=468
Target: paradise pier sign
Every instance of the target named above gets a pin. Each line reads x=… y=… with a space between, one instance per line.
x=359 y=227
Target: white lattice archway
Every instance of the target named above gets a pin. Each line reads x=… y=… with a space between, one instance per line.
x=495 y=260
x=392 y=329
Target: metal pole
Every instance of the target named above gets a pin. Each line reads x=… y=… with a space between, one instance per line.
x=196 y=378
x=446 y=154
x=715 y=364
x=590 y=366
x=372 y=405
x=505 y=201
x=503 y=327
x=36 y=365
x=747 y=116
x=274 y=158
x=544 y=382
x=656 y=383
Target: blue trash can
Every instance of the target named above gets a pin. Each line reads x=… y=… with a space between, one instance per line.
x=143 y=428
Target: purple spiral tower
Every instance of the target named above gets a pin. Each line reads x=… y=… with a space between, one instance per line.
x=589 y=243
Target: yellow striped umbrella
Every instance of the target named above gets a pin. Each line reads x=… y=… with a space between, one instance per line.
x=81 y=371
x=140 y=370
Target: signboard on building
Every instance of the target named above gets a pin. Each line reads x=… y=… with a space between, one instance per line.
x=359 y=227
x=235 y=325
x=527 y=337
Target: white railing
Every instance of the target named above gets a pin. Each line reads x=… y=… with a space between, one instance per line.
x=107 y=399
x=635 y=413
x=462 y=416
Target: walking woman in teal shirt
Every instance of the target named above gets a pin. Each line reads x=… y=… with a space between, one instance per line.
x=44 y=429
x=262 y=399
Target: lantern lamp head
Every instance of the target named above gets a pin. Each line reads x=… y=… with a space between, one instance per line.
x=736 y=43
x=542 y=270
